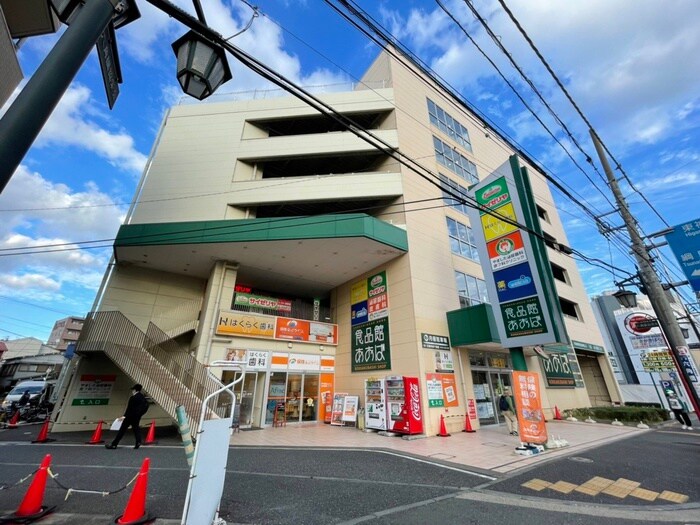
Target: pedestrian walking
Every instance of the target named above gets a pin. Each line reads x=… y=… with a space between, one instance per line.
x=135 y=410
x=507 y=407
x=679 y=411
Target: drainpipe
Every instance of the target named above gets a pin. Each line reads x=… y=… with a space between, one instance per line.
x=464 y=384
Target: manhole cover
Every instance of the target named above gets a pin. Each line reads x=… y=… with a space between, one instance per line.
x=579 y=459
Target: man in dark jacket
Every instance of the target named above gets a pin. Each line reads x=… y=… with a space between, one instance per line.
x=135 y=409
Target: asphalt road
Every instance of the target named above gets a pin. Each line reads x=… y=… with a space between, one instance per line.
x=344 y=487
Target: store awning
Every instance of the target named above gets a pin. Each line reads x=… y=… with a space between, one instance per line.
x=474 y=326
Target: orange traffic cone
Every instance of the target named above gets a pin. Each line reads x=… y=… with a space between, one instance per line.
x=135 y=511
x=443 y=430
x=43 y=434
x=151 y=436
x=31 y=507
x=557 y=414
x=468 y=424
x=14 y=420
x=96 y=435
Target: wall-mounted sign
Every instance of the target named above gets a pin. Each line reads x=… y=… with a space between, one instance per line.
x=443 y=362
x=518 y=277
x=435 y=342
x=557 y=371
x=442 y=390
x=259 y=301
x=94 y=390
x=369 y=336
x=243 y=324
x=253 y=359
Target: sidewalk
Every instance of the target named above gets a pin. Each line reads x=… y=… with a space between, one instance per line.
x=487 y=449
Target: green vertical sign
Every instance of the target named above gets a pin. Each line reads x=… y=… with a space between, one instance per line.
x=370 y=347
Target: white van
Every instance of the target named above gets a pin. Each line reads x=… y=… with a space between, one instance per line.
x=36 y=390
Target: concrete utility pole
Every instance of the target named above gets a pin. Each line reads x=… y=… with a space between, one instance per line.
x=647 y=275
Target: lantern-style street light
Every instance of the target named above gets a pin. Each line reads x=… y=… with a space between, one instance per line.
x=201 y=66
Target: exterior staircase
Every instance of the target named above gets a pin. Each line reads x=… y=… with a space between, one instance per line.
x=170 y=375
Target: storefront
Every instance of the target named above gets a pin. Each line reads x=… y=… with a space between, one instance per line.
x=491 y=373
x=287 y=384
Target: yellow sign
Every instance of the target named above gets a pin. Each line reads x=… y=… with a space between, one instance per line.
x=358 y=292
x=494 y=227
x=245 y=324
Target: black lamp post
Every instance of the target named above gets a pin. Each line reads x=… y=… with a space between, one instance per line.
x=201 y=66
x=626 y=298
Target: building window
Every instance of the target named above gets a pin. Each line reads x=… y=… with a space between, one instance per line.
x=462 y=240
x=569 y=309
x=559 y=273
x=448 y=185
x=542 y=213
x=471 y=290
x=455 y=161
x=448 y=125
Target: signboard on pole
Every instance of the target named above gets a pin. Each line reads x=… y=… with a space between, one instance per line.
x=518 y=277
x=109 y=63
x=684 y=241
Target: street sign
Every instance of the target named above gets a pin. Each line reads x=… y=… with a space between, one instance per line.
x=684 y=241
x=109 y=63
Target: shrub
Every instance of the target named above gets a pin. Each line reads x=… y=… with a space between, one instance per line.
x=631 y=414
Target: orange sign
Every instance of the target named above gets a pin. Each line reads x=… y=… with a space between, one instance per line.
x=309 y=331
x=528 y=405
x=442 y=390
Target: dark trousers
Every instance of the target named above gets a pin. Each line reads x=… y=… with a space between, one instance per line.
x=135 y=426
x=682 y=417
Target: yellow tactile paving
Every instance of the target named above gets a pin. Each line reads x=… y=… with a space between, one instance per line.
x=593 y=486
x=563 y=486
x=536 y=484
x=674 y=497
x=621 y=488
x=648 y=495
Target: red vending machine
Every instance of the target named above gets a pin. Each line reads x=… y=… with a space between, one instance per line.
x=404 y=414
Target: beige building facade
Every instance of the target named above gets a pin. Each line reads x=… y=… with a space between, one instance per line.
x=258 y=226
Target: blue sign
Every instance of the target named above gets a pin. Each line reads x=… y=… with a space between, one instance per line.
x=514 y=282
x=684 y=241
x=358 y=313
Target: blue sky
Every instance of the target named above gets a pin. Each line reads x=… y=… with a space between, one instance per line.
x=630 y=65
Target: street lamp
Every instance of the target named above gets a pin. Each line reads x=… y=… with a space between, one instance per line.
x=626 y=298
x=201 y=66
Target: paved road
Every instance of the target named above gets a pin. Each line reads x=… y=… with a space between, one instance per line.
x=344 y=487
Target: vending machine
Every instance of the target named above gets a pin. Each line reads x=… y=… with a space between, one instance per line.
x=375 y=404
x=404 y=413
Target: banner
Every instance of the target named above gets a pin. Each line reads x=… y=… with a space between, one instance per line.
x=528 y=405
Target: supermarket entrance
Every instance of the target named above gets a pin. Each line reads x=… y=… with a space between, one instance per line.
x=491 y=373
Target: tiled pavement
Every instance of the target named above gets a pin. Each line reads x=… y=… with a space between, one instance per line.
x=489 y=448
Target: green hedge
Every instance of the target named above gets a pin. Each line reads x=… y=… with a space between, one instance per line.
x=630 y=414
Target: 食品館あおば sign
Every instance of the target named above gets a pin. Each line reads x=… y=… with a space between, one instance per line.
x=369 y=336
x=518 y=277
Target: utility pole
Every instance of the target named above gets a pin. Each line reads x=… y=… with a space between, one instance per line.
x=649 y=278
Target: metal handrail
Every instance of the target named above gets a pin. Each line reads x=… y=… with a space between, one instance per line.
x=170 y=375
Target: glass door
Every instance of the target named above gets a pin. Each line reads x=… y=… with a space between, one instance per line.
x=310 y=398
x=293 y=402
x=485 y=405
x=247 y=395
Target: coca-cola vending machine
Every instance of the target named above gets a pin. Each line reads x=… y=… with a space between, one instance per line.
x=404 y=414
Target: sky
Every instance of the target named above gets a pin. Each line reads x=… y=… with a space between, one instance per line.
x=631 y=66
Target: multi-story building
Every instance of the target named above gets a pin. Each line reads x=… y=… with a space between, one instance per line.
x=64 y=332
x=266 y=232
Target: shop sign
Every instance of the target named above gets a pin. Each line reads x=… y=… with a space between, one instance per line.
x=252 y=359
x=518 y=277
x=378 y=297
x=358 y=292
x=359 y=313
x=471 y=407
x=523 y=318
x=557 y=371
x=657 y=361
x=444 y=363
x=506 y=251
x=370 y=346
x=435 y=342
x=350 y=404
x=528 y=404
x=307 y=331
x=304 y=362
x=685 y=361
x=94 y=389
x=259 y=301
x=442 y=390
x=245 y=325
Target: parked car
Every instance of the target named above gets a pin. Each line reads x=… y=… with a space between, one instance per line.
x=37 y=391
